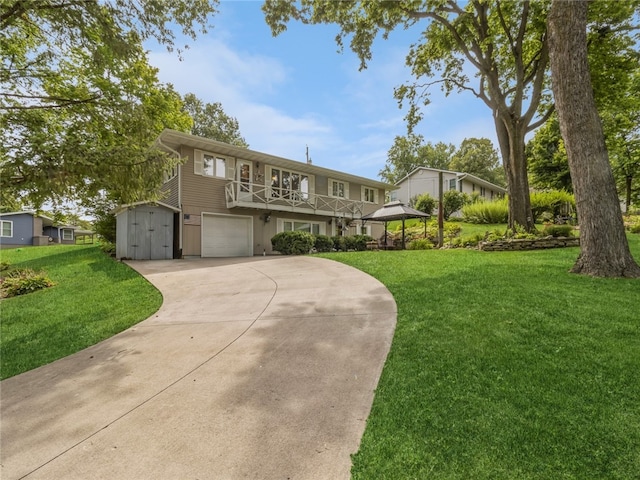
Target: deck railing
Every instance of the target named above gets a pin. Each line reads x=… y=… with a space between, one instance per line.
x=252 y=195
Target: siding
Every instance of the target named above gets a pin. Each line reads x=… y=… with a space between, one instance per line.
x=170 y=192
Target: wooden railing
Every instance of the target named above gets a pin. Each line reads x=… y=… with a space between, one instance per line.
x=252 y=195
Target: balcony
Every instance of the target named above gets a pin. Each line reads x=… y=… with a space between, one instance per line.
x=252 y=195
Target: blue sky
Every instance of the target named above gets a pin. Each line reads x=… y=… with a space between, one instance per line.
x=297 y=90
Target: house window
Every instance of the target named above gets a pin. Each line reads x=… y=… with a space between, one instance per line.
x=301 y=226
x=452 y=184
x=7 y=228
x=67 y=234
x=369 y=195
x=288 y=184
x=483 y=191
x=213 y=166
x=209 y=164
x=338 y=189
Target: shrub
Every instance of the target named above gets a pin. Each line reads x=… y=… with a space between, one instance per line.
x=452 y=201
x=4 y=266
x=108 y=248
x=323 y=243
x=486 y=212
x=632 y=223
x=554 y=203
x=558 y=230
x=339 y=243
x=424 y=203
x=420 y=244
x=292 y=242
x=22 y=281
x=358 y=242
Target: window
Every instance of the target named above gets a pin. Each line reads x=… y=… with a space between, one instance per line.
x=483 y=191
x=7 y=228
x=301 y=226
x=173 y=173
x=287 y=184
x=338 y=189
x=369 y=195
x=452 y=184
x=209 y=164
x=67 y=234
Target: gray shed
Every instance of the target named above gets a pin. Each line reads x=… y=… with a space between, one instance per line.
x=145 y=231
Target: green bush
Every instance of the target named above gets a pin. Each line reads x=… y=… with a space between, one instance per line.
x=22 y=281
x=452 y=201
x=424 y=203
x=486 y=212
x=339 y=243
x=323 y=243
x=552 y=203
x=420 y=244
x=632 y=223
x=292 y=242
x=558 y=230
x=358 y=242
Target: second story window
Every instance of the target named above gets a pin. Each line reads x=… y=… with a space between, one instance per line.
x=209 y=165
x=338 y=189
x=287 y=184
x=369 y=195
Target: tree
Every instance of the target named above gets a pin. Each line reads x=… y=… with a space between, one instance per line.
x=210 y=121
x=547 y=158
x=80 y=104
x=504 y=42
x=477 y=156
x=453 y=201
x=410 y=152
x=604 y=248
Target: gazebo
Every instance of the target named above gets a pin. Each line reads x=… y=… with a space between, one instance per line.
x=394 y=211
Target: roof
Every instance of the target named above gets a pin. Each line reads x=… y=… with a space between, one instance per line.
x=459 y=176
x=172 y=139
x=121 y=208
x=394 y=211
x=47 y=220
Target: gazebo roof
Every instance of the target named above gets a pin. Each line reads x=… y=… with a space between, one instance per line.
x=394 y=211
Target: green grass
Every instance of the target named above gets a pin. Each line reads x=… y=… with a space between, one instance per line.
x=94 y=298
x=504 y=366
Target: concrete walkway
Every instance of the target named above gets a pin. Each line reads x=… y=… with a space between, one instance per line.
x=258 y=368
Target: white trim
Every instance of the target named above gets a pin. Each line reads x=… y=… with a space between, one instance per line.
x=363 y=188
x=2 y=222
x=199 y=164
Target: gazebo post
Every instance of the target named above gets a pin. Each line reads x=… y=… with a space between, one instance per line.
x=385 y=235
x=403 y=247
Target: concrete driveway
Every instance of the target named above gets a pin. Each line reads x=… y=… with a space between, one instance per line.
x=257 y=368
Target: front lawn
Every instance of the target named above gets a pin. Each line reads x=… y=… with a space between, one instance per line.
x=504 y=366
x=94 y=297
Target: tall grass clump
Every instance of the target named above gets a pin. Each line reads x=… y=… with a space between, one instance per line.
x=550 y=204
x=496 y=211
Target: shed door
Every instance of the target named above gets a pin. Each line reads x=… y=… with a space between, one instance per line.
x=227 y=236
x=152 y=229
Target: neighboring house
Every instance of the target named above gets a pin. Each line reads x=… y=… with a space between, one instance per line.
x=425 y=180
x=228 y=201
x=28 y=228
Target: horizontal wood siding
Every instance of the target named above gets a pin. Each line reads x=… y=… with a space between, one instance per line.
x=170 y=192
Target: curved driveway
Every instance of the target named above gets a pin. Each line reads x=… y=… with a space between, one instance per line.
x=257 y=368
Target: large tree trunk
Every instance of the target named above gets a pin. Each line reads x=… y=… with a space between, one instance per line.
x=512 y=149
x=604 y=247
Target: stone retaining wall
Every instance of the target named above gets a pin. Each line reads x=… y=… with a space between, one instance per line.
x=529 y=244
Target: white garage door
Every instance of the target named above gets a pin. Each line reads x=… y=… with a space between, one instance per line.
x=227 y=236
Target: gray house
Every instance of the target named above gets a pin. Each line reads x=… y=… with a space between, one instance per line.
x=27 y=228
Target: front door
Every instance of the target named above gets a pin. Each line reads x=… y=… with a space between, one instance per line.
x=244 y=171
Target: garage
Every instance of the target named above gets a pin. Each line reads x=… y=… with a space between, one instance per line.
x=227 y=235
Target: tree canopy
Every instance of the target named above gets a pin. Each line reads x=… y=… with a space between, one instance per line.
x=210 y=121
x=410 y=152
x=80 y=104
x=478 y=157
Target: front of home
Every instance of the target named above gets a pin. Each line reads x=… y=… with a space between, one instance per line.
x=427 y=180
x=228 y=201
x=28 y=228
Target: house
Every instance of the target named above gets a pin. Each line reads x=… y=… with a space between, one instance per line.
x=426 y=180
x=228 y=201
x=29 y=228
